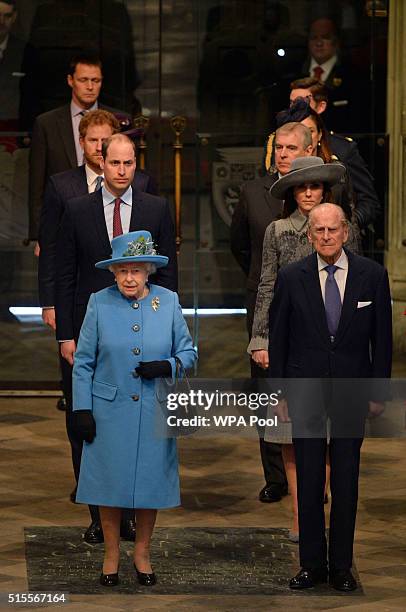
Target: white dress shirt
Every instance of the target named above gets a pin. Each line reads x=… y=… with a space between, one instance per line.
x=327 y=67
x=340 y=274
x=76 y=114
x=91 y=178
x=125 y=209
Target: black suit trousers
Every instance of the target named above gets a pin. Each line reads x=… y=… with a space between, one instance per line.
x=271 y=455
x=311 y=475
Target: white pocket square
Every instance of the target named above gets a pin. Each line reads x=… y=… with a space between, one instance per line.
x=363 y=304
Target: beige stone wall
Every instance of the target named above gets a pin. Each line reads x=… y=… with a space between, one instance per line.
x=396 y=125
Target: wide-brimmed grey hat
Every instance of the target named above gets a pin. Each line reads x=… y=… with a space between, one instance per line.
x=308 y=170
x=132 y=248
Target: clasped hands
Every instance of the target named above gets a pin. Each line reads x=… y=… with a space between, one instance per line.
x=154 y=369
x=84 y=423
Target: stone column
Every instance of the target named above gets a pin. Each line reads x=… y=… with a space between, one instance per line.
x=396 y=127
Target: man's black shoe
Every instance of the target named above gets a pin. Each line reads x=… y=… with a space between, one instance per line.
x=272 y=493
x=61 y=404
x=94 y=534
x=342 y=580
x=307 y=579
x=127 y=530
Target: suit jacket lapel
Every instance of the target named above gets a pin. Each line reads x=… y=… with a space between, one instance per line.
x=79 y=185
x=137 y=211
x=311 y=284
x=352 y=291
x=65 y=128
x=272 y=202
x=100 y=221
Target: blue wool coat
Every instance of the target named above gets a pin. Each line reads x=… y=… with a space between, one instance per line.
x=127 y=465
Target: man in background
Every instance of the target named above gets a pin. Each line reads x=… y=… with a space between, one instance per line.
x=327 y=64
x=55 y=145
x=12 y=50
x=345 y=149
x=94 y=128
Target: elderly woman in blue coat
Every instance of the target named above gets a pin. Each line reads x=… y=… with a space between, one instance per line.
x=131 y=334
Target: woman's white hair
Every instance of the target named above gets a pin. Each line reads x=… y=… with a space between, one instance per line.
x=151 y=267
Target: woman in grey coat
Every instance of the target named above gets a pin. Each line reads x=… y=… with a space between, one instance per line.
x=307 y=184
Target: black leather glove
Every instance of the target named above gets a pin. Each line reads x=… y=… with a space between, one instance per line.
x=84 y=425
x=154 y=369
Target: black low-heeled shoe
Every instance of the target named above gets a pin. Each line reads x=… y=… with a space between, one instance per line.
x=94 y=533
x=109 y=580
x=145 y=579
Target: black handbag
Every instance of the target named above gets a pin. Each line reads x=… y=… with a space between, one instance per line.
x=179 y=419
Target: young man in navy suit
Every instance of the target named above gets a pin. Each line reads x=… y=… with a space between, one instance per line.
x=330 y=319
x=94 y=129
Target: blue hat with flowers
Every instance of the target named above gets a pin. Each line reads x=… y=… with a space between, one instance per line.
x=133 y=247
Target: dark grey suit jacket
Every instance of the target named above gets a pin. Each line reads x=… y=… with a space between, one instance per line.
x=52 y=151
x=11 y=75
x=255 y=210
x=60 y=188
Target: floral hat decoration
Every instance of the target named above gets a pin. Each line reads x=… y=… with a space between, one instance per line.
x=133 y=247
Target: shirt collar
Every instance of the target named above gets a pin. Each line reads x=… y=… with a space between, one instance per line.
x=108 y=198
x=342 y=261
x=298 y=220
x=76 y=110
x=327 y=66
x=91 y=175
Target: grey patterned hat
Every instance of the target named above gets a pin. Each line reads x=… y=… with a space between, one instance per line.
x=308 y=170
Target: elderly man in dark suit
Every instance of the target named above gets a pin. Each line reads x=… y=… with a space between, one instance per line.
x=254 y=212
x=330 y=319
x=89 y=224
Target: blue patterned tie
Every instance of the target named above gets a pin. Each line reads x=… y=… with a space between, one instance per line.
x=332 y=301
x=99 y=182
